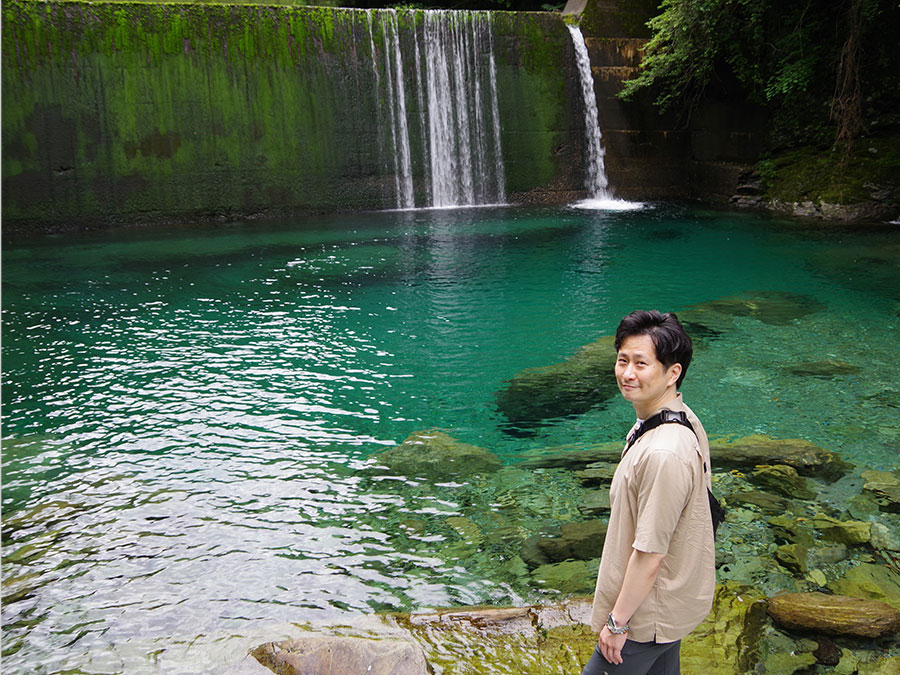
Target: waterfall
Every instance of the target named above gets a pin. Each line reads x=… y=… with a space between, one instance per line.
x=399 y=127
x=461 y=160
x=597 y=184
x=595 y=181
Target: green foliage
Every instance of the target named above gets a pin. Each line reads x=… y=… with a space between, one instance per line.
x=784 y=54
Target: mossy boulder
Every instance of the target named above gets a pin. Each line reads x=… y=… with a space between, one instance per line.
x=571 y=387
x=749 y=451
x=437 y=456
x=782 y=480
x=834 y=614
x=728 y=640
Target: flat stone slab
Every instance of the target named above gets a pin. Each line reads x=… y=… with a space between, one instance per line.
x=834 y=614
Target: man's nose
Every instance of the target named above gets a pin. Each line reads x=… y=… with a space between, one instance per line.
x=628 y=373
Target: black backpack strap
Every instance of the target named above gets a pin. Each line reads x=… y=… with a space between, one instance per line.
x=678 y=417
x=664 y=416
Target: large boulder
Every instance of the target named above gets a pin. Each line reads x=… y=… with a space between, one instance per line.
x=750 y=451
x=834 y=614
x=438 y=456
x=335 y=655
x=571 y=387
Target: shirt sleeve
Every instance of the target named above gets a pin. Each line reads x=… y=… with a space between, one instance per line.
x=664 y=486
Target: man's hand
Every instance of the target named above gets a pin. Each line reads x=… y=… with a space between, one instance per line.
x=611 y=645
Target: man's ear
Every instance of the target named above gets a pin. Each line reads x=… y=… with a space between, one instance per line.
x=673 y=374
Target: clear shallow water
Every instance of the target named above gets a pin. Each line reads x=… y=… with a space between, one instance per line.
x=188 y=414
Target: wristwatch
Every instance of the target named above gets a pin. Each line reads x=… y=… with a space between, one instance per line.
x=615 y=628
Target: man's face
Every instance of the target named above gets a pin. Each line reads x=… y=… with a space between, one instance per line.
x=641 y=377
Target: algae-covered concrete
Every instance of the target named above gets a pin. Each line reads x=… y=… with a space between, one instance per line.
x=124 y=112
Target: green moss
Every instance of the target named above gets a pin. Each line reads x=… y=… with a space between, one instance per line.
x=832 y=177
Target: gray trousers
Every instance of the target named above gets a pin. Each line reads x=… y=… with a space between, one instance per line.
x=639 y=658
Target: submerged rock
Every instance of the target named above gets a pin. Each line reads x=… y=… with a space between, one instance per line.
x=850 y=532
x=571 y=387
x=438 y=456
x=578 y=541
x=834 y=614
x=808 y=459
x=874 y=582
x=770 y=307
x=766 y=502
x=598 y=473
x=572 y=457
x=825 y=368
x=790 y=530
x=572 y=576
x=793 y=557
x=781 y=479
x=884 y=488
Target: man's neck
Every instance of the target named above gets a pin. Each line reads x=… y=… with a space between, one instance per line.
x=651 y=408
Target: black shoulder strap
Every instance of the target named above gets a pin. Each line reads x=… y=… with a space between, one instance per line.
x=678 y=417
x=662 y=417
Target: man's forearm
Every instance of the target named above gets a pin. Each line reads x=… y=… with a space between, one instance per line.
x=640 y=575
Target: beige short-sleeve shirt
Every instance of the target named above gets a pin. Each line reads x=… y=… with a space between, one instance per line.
x=659 y=504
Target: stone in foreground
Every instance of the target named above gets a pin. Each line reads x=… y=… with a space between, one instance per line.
x=834 y=614
x=334 y=655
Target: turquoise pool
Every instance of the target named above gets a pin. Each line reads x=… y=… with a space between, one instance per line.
x=190 y=414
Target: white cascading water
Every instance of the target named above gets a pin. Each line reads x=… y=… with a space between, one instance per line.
x=456 y=87
x=597 y=184
x=399 y=126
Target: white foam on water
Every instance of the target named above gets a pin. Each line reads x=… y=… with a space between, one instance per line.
x=608 y=205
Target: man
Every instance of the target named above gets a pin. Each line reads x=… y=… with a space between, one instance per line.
x=657 y=572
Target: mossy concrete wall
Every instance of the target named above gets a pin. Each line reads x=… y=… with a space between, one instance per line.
x=127 y=112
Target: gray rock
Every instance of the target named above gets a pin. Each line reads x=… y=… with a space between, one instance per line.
x=332 y=655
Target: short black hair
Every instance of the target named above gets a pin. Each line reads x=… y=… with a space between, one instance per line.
x=672 y=344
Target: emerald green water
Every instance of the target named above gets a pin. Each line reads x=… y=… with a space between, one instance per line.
x=190 y=415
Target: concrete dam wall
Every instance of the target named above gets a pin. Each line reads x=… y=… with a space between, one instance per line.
x=122 y=113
